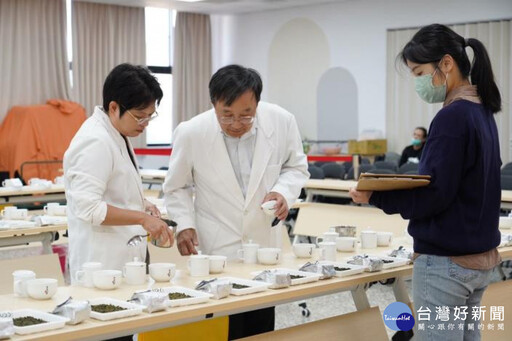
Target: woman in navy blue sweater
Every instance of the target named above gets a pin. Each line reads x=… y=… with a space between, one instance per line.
x=454 y=220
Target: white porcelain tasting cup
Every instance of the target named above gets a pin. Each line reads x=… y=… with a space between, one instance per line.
x=13 y=182
x=269 y=207
x=107 y=279
x=346 y=244
x=327 y=251
x=14 y=213
x=368 y=239
x=20 y=278
x=269 y=255
x=42 y=288
x=135 y=273
x=55 y=210
x=199 y=265
x=303 y=250
x=84 y=276
x=328 y=237
x=384 y=238
x=249 y=253
x=162 y=272
x=217 y=264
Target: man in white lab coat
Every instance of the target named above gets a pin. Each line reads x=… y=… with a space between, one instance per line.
x=234 y=157
x=105 y=201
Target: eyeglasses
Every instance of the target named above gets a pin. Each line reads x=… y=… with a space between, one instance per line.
x=141 y=121
x=245 y=120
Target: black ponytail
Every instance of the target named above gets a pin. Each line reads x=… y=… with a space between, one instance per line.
x=483 y=77
x=432 y=42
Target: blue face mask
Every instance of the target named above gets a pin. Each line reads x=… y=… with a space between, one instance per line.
x=416 y=142
x=427 y=91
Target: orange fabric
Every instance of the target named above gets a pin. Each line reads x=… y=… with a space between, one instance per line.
x=38 y=133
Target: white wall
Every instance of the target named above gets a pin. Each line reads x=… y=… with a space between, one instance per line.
x=356 y=32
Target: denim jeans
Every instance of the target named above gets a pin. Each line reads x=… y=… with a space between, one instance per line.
x=438 y=282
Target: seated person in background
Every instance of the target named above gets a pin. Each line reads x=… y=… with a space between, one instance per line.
x=412 y=153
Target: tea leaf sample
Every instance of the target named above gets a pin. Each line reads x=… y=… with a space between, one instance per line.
x=178 y=295
x=27 y=321
x=240 y=286
x=106 y=308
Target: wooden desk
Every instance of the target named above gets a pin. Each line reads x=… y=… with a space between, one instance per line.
x=498 y=294
x=506 y=199
x=153 y=176
x=45 y=235
x=340 y=189
x=92 y=329
x=28 y=195
x=316 y=218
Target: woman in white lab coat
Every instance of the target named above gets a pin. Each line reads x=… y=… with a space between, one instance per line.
x=106 y=206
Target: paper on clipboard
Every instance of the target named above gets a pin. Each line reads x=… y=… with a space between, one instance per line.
x=390 y=182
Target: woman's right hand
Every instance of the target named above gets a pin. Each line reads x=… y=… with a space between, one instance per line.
x=158 y=229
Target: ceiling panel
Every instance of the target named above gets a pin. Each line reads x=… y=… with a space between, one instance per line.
x=220 y=6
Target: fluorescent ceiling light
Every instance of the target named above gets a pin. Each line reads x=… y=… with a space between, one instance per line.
x=190 y=0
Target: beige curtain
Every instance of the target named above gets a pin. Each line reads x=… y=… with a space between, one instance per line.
x=33 y=61
x=192 y=66
x=405 y=110
x=103 y=37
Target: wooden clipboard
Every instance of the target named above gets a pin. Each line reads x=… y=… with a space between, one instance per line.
x=390 y=182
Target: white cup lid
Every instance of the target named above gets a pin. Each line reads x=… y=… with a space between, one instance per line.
x=24 y=273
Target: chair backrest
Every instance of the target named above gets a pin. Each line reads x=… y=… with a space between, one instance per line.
x=316 y=172
x=506 y=182
x=408 y=167
x=385 y=165
x=392 y=157
x=365 y=161
x=507 y=166
x=45 y=266
x=334 y=170
x=506 y=171
x=362 y=169
x=347 y=165
x=320 y=163
x=412 y=172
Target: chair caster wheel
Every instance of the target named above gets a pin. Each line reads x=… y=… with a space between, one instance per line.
x=306 y=312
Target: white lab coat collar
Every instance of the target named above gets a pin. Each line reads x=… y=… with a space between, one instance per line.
x=222 y=164
x=100 y=115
